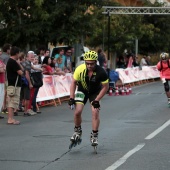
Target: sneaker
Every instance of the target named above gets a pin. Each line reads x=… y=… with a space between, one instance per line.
x=4 y=111
x=27 y=114
x=15 y=113
x=31 y=112
x=38 y=112
x=94 y=139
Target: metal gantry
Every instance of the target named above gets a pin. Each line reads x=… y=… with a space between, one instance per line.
x=110 y=10
x=137 y=10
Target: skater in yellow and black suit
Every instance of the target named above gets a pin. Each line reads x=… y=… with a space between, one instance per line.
x=91 y=82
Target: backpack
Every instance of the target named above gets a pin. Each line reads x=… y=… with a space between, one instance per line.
x=36 y=79
x=162 y=66
x=113 y=75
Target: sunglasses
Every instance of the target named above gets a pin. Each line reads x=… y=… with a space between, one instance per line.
x=90 y=64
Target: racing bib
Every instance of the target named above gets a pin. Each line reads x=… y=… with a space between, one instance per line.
x=79 y=96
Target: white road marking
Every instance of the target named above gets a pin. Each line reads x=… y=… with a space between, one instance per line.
x=161 y=128
x=123 y=159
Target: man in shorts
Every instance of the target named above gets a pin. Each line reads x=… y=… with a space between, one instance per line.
x=91 y=82
x=14 y=72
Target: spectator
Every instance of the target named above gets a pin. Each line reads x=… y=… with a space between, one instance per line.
x=41 y=53
x=21 y=104
x=148 y=60
x=135 y=61
x=61 y=59
x=73 y=59
x=6 y=53
x=102 y=58
x=14 y=73
x=35 y=107
x=120 y=62
x=2 y=83
x=28 y=90
x=143 y=61
x=49 y=67
x=68 y=63
x=4 y=58
x=56 y=69
x=47 y=53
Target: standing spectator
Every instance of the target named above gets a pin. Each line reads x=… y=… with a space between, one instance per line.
x=101 y=58
x=148 y=60
x=4 y=58
x=6 y=53
x=143 y=61
x=14 y=72
x=73 y=58
x=23 y=84
x=120 y=62
x=2 y=82
x=130 y=61
x=47 y=53
x=61 y=59
x=57 y=70
x=68 y=63
x=42 y=53
x=28 y=90
x=164 y=67
x=135 y=61
x=35 y=108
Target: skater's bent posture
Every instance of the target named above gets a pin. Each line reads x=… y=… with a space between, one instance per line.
x=91 y=82
x=164 y=67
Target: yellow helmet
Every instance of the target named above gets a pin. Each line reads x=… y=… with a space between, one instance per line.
x=90 y=55
x=164 y=56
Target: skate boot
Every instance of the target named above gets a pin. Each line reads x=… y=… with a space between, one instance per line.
x=76 y=138
x=168 y=102
x=94 y=141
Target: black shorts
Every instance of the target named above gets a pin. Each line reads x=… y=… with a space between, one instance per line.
x=25 y=93
x=82 y=97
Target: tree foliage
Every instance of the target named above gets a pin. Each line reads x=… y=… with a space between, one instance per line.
x=29 y=23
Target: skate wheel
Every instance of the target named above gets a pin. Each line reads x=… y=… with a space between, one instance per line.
x=70 y=146
x=95 y=149
x=79 y=141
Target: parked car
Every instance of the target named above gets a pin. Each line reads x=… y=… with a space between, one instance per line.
x=56 y=49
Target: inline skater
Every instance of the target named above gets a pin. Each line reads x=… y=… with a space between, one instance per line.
x=164 y=67
x=91 y=82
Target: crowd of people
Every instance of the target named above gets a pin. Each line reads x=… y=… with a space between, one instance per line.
x=19 y=70
x=129 y=60
x=19 y=88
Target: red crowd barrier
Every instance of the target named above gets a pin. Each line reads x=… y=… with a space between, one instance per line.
x=136 y=74
x=59 y=86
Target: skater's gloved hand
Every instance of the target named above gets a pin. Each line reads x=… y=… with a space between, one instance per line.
x=95 y=104
x=71 y=103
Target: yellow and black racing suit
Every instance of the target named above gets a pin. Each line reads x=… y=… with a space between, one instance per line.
x=89 y=87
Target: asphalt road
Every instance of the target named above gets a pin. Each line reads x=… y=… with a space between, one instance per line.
x=133 y=135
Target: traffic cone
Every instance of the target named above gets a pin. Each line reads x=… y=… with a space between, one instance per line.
x=123 y=91
x=130 y=90
x=116 y=91
x=127 y=90
x=110 y=92
x=120 y=90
